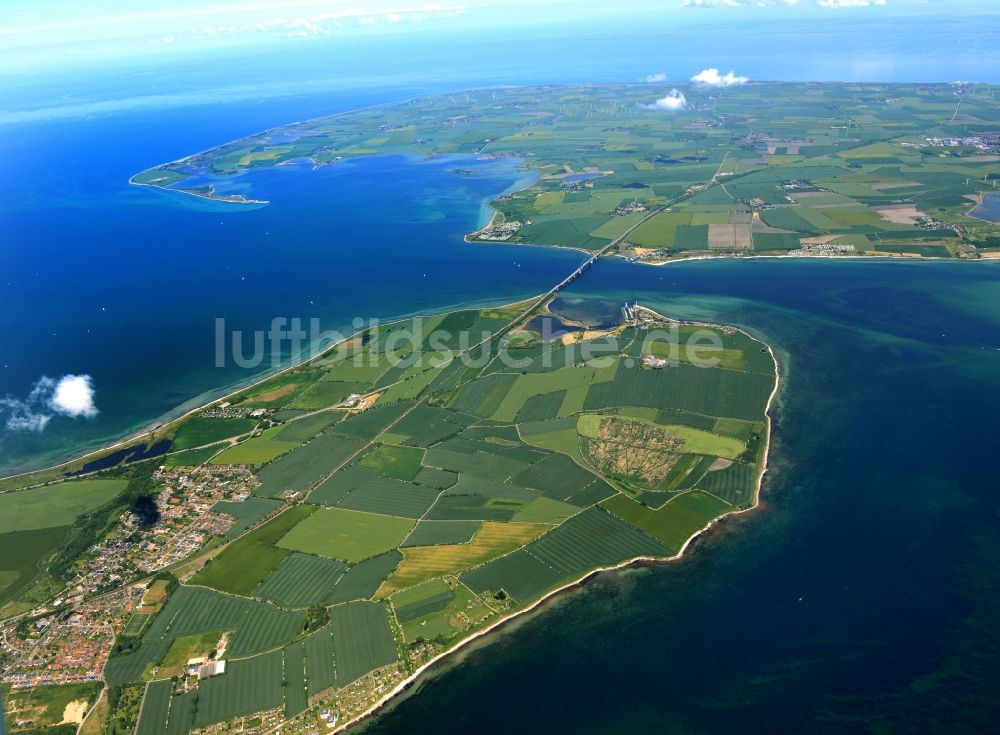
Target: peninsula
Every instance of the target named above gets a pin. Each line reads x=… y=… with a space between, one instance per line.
x=888 y=170
x=292 y=556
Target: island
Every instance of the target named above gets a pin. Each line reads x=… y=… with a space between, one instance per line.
x=292 y=556
x=822 y=169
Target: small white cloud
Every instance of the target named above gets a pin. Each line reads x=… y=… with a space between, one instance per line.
x=74 y=396
x=673 y=101
x=657 y=77
x=70 y=395
x=712 y=78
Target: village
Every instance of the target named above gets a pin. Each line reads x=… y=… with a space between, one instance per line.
x=65 y=644
x=69 y=639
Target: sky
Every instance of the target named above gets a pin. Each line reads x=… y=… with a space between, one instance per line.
x=45 y=34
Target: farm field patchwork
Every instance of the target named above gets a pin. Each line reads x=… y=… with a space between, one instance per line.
x=353 y=545
x=840 y=169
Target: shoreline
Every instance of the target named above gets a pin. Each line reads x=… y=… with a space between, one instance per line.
x=579 y=582
x=164 y=423
x=208 y=197
x=638 y=561
x=149 y=430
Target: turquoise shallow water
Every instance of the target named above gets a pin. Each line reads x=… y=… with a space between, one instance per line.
x=862 y=597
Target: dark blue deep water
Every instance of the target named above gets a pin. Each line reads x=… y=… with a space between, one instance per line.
x=861 y=597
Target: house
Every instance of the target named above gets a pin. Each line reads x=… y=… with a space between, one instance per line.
x=212 y=668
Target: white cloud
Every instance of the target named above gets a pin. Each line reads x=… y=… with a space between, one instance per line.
x=657 y=77
x=673 y=101
x=74 y=396
x=70 y=395
x=712 y=78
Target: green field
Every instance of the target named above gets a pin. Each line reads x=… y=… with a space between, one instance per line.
x=426 y=425
x=256 y=450
x=155 y=708
x=23 y=552
x=326 y=393
x=363 y=580
x=194 y=611
x=362 y=639
x=199 y=430
x=346 y=534
x=675 y=522
x=390 y=497
x=246 y=687
x=247 y=561
x=321 y=672
x=301 y=580
x=120 y=670
x=437 y=610
x=537 y=384
x=306 y=465
x=432 y=533
x=191 y=457
x=136 y=624
x=723 y=393
x=421 y=600
x=246 y=513
x=369 y=424
x=55 y=505
x=185 y=648
x=307 y=427
x=734 y=484
x=296 y=695
x=395 y=461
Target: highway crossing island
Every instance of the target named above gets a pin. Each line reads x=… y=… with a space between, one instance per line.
x=310 y=544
